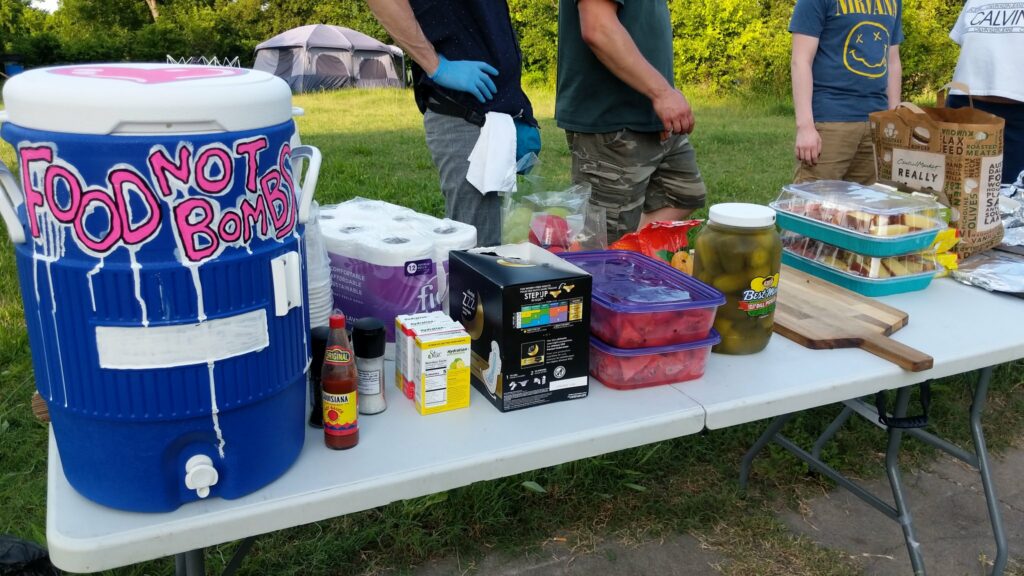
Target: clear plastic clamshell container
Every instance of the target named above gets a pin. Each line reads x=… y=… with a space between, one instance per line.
x=867 y=275
x=870 y=220
x=640 y=302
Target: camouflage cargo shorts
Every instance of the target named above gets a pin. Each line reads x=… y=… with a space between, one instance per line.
x=635 y=172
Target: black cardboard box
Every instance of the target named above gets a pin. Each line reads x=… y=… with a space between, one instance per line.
x=528 y=314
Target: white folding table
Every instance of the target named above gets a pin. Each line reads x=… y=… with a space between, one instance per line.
x=404 y=455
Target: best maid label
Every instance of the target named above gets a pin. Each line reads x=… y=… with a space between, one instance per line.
x=759 y=299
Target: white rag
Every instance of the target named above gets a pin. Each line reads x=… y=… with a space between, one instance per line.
x=492 y=163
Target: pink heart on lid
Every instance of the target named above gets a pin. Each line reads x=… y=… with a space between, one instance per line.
x=161 y=75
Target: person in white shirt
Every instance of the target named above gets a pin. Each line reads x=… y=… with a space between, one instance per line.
x=991 y=38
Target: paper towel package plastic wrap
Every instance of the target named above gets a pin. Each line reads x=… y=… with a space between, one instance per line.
x=388 y=260
x=447 y=235
x=364 y=209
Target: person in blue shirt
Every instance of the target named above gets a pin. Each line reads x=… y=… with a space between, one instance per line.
x=845 y=65
x=467 y=63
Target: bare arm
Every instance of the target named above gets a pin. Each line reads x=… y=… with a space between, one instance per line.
x=398 y=19
x=614 y=47
x=894 y=89
x=808 y=142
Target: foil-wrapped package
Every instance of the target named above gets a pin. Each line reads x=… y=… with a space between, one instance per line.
x=993 y=270
x=1012 y=213
x=1013 y=236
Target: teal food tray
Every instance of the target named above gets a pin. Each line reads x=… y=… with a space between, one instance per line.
x=863 y=286
x=866 y=244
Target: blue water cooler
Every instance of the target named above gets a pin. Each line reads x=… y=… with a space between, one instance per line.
x=157 y=229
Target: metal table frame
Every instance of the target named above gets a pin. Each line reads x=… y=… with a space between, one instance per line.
x=901 y=511
x=193 y=562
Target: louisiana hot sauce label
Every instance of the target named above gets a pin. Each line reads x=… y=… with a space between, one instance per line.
x=341 y=413
x=759 y=300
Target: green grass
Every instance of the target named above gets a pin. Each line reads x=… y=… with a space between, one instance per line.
x=373 y=146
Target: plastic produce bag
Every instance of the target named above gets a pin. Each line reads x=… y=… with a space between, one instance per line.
x=558 y=220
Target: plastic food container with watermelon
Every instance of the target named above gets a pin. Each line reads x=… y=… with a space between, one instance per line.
x=870 y=220
x=651 y=323
x=625 y=369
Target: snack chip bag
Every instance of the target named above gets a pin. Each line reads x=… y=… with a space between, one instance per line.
x=667 y=241
x=943 y=245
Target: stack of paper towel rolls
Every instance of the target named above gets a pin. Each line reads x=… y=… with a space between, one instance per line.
x=447 y=235
x=388 y=260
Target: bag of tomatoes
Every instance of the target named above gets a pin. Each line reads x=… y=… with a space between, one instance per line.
x=557 y=220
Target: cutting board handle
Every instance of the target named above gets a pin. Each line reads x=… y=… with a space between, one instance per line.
x=902 y=355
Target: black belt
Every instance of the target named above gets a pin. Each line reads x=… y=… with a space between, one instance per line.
x=449 y=107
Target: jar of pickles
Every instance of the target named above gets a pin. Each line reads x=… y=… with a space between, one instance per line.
x=739 y=253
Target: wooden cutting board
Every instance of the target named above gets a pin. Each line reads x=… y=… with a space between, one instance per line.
x=820 y=315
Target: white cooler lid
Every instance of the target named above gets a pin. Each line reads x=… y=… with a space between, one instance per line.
x=146 y=99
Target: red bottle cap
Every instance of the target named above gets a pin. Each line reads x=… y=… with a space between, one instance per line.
x=337 y=321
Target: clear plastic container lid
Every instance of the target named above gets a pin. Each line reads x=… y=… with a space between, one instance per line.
x=631 y=282
x=874 y=210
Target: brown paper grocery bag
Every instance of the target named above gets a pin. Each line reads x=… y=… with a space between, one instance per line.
x=956 y=154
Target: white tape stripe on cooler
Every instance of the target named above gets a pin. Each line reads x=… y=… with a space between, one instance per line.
x=144 y=348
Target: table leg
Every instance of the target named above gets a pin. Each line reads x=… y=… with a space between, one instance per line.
x=240 y=554
x=981 y=452
x=900 y=512
x=892 y=468
x=763 y=441
x=831 y=431
x=190 y=563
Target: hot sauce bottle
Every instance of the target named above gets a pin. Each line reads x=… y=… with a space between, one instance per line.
x=340 y=396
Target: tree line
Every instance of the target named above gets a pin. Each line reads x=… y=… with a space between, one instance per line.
x=725 y=44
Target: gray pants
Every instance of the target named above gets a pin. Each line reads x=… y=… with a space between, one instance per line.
x=450 y=141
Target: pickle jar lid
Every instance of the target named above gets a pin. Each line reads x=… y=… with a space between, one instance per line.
x=742 y=215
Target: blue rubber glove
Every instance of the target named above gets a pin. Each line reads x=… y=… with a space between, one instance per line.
x=527 y=139
x=466 y=76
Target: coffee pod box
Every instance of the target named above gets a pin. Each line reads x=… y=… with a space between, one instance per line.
x=527 y=312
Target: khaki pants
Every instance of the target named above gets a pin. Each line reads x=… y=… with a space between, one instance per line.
x=846 y=154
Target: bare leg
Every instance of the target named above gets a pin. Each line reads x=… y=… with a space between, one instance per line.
x=664 y=214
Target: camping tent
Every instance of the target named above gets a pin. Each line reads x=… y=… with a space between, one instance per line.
x=323 y=57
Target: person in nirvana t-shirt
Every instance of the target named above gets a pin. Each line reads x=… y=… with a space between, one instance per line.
x=845 y=65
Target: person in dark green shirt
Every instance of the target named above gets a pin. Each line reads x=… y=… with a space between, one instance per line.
x=626 y=124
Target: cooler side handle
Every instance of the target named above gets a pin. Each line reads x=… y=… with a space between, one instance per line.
x=308 y=186
x=9 y=198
